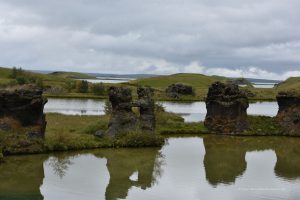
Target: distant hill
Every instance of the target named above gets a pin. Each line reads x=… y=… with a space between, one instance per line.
x=195 y=80
x=72 y=75
x=292 y=83
x=129 y=76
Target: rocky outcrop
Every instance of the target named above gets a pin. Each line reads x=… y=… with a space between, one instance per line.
x=178 y=89
x=146 y=106
x=288 y=115
x=23 y=106
x=122 y=117
x=226 y=109
x=22 y=120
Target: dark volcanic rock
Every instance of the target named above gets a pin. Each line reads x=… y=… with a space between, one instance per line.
x=99 y=133
x=175 y=90
x=226 y=109
x=122 y=118
x=147 y=107
x=288 y=115
x=23 y=104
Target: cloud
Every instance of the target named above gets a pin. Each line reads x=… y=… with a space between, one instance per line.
x=169 y=36
x=249 y=72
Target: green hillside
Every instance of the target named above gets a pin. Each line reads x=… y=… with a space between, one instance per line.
x=292 y=83
x=72 y=75
x=199 y=82
x=195 y=80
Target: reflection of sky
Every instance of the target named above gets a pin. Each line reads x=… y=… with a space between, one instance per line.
x=196 y=111
x=191 y=112
x=75 y=106
x=183 y=177
x=86 y=178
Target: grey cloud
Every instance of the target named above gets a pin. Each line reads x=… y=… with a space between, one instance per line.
x=126 y=36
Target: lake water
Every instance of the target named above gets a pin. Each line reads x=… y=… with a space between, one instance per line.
x=192 y=168
x=108 y=80
x=191 y=111
x=263 y=85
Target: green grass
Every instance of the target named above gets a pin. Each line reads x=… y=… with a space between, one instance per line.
x=199 y=82
x=292 y=83
x=72 y=75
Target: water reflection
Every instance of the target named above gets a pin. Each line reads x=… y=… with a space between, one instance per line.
x=190 y=111
x=212 y=167
x=224 y=159
x=21 y=177
x=123 y=163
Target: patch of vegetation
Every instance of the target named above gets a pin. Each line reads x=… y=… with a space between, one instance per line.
x=292 y=83
x=72 y=75
x=18 y=142
x=262 y=125
x=138 y=139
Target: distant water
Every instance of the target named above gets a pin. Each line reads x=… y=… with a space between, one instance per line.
x=191 y=168
x=263 y=85
x=190 y=111
x=108 y=80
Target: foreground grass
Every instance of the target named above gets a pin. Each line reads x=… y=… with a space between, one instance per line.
x=65 y=132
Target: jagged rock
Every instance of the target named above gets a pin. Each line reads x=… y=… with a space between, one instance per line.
x=100 y=134
x=22 y=120
x=288 y=115
x=175 y=90
x=25 y=105
x=122 y=117
x=226 y=109
x=147 y=107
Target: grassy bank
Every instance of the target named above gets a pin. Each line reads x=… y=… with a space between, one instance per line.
x=65 y=132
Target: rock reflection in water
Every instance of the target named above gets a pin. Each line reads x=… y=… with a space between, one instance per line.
x=224 y=159
x=123 y=163
x=21 y=177
x=219 y=168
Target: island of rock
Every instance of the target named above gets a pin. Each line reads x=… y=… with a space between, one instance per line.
x=226 y=109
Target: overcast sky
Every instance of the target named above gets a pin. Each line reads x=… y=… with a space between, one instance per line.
x=249 y=38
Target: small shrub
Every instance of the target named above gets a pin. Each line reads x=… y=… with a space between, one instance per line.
x=82 y=86
x=138 y=139
x=98 y=89
x=21 y=80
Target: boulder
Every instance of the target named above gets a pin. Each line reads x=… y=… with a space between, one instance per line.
x=226 y=109
x=178 y=89
x=99 y=134
x=122 y=117
x=22 y=120
x=23 y=105
x=147 y=107
x=288 y=115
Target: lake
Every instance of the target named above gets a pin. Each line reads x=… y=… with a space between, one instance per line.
x=191 y=168
x=108 y=80
x=190 y=111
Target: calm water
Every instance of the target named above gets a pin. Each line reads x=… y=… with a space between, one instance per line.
x=209 y=168
x=263 y=85
x=191 y=111
x=108 y=80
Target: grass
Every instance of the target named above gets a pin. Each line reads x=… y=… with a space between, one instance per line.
x=65 y=132
x=72 y=75
x=199 y=82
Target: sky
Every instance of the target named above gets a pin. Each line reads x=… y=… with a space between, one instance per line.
x=234 y=38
